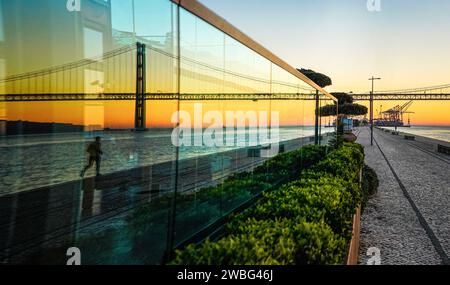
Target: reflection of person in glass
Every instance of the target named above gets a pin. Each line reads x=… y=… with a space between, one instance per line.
x=95 y=152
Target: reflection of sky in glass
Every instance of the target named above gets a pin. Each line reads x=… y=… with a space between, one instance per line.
x=2 y=70
x=2 y=35
x=211 y=61
x=121 y=11
x=152 y=18
x=93 y=43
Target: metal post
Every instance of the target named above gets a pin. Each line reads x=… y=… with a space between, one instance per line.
x=371 y=116
x=337 y=118
x=139 y=123
x=316 y=126
x=371 y=109
x=171 y=223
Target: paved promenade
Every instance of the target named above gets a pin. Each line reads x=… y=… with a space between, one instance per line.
x=409 y=219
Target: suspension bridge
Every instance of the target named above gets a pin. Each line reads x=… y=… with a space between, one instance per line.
x=432 y=93
x=124 y=74
x=111 y=77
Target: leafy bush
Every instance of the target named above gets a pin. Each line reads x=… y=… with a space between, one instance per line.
x=327 y=198
x=232 y=188
x=308 y=221
x=286 y=166
x=269 y=242
x=369 y=184
x=344 y=162
x=336 y=141
x=241 y=186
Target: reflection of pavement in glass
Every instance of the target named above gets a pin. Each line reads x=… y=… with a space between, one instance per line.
x=33 y=220
x=36 y=161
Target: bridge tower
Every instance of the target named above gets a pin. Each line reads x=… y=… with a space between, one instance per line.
x=139 y=122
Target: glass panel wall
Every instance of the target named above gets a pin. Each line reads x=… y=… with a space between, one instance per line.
x=214 y=111
x=327 y=124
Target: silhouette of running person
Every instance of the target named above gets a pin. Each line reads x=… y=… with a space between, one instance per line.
x=95 y=155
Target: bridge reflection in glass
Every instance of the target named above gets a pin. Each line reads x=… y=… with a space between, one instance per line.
x=71 y=76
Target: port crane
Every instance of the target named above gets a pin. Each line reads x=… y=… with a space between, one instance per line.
x=395 y=116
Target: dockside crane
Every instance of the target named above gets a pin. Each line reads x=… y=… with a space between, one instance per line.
x=397 y=113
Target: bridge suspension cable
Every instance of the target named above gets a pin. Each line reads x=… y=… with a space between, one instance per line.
x=113 y=74
x=68 y=66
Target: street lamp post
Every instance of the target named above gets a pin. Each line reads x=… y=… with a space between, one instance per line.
x=371 y=109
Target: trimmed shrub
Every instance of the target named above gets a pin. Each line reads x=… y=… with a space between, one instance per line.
x=326 y=199
x=241 y=186
x=286 y=166
x=269 y=242
x=308 y=221
x=369 y=184
x=344 y=162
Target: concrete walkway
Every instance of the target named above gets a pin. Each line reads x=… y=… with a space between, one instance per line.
x=409 y=219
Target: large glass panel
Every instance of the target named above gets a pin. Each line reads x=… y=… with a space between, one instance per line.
x=202 y=73
x=223 y=133
x=246 y=72
x=186 y=117
x=327 y=124
x=74 y=70
x=202 y=56
x=2 y=32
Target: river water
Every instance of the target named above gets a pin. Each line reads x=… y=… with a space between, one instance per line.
x=435 y=132
x=34 y=161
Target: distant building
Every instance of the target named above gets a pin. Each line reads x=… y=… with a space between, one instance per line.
x=8 y=128
x=93 y=128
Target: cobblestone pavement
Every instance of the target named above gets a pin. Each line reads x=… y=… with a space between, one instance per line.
x=407 y=232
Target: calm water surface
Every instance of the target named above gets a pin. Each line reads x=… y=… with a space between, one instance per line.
x=34 y=161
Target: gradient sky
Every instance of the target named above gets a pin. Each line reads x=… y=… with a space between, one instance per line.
x=407 y=43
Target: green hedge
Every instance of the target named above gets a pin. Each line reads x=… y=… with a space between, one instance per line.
x=369 y=184
x=308 y=221
x=326 y=198
x=283 y=167
x=269 y=242
x=238 y=187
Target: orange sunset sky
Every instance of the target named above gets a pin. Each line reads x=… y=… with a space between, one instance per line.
x=406 y=45
x=159 y=113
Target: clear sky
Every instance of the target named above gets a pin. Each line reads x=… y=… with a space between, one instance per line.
x=407 y=43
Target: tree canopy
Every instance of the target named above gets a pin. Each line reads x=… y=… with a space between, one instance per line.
x=320 y=79
x=346 y=107
x=343 y=98
x=345 y=101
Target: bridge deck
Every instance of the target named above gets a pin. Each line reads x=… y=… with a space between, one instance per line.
x=211 y=97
